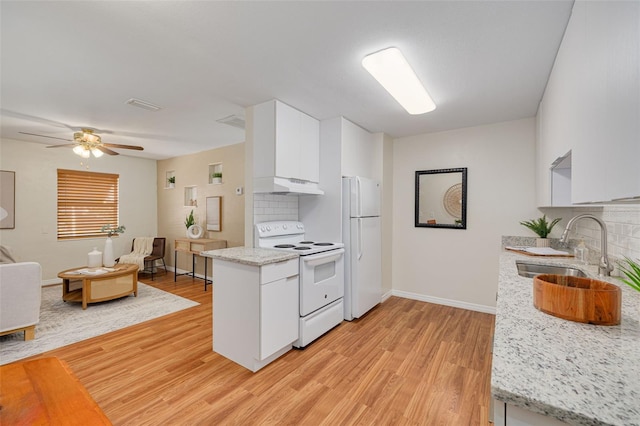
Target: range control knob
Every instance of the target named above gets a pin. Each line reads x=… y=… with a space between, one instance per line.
x=284 y=226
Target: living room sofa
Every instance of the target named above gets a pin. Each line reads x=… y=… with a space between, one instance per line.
x=20 y=297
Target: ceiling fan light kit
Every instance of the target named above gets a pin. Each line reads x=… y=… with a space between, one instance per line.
x=87 y=143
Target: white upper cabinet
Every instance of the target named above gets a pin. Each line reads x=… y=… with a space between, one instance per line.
x=591 y=106
x=286 y=143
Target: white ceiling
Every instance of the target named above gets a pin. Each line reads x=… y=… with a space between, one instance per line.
x=74 y=64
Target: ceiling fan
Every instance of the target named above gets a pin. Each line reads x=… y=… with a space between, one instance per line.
x=86 y=142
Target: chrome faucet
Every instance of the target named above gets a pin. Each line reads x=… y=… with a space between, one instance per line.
x=605 y=267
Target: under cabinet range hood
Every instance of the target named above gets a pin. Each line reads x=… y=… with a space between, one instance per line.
x=278 y=185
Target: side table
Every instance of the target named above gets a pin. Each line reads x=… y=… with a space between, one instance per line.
x=194 y=247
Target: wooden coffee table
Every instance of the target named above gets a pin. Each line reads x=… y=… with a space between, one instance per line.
x=98 y=288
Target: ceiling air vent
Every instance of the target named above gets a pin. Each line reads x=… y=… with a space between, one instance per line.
x=233 y=120
x=143 y=104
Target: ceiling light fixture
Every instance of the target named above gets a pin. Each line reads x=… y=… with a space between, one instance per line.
x=88 y=143
x=394 y=73
x=143 y=104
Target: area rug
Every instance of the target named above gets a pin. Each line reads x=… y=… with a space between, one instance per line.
x=64 y=323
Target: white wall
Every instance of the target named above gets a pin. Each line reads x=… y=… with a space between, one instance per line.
x=34 y=237
x=460 y=267
x=387 y=213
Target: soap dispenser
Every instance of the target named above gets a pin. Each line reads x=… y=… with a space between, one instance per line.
x=581 y=253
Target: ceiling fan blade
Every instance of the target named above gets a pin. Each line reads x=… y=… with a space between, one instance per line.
x=33 y=118
x=115 y=145
x=45 y=136
x=106 y=150
x=66 y=145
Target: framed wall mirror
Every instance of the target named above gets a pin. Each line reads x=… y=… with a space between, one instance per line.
x=441 y=198
x=214 y=219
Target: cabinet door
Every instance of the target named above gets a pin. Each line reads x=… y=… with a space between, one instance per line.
x=288 y=130
x=309 y=148
x=278 y=315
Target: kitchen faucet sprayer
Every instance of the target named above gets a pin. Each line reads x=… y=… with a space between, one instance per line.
x=604 y=267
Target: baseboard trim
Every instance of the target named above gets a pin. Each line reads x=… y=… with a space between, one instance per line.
x=386 y=296
x=445 y=302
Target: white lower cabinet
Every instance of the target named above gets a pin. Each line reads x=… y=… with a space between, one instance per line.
x=255 y=311
x=510 y=415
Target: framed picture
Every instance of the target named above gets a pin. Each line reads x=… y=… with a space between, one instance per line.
x=441 y=198
x=7 y=200
x=214 y=219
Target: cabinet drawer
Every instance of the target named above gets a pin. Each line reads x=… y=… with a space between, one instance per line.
x=182 y=245
x=198 y=247
x=276 y=271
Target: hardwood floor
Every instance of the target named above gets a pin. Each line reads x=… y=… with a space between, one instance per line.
x=404 y=363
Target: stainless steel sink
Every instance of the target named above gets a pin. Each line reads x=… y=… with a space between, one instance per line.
x=530 y=270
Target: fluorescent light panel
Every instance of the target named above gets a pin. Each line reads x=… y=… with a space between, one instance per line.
x=394 y=73
x=143 y=104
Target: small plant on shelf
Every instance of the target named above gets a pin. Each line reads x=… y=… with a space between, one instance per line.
x=171 y=179
x=190 y=220
x=216 y=177
x=540 y=226
x=631 y=270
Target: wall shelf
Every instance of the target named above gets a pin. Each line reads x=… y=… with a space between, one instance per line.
x=169 y=174
x=215 y=169
x=190 y=196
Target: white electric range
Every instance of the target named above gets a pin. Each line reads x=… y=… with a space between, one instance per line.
x=321 y=275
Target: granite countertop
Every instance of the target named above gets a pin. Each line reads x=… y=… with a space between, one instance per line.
x=581 y=374
x=249 y=255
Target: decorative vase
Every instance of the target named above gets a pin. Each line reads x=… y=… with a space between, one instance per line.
x=171 y=185
x=94 y=259
x=194 y=232
x=543 y=242
x=107 y=257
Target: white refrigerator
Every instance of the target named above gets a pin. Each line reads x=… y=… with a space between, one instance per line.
x=361 y=235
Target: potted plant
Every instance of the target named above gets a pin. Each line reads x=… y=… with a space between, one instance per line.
x=171 y=181
x=631 y=270
x=216 y=177
x=541 y=227
x=190 y=220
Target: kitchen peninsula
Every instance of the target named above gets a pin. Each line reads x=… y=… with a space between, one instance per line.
x=580 y=374
x=255 y=304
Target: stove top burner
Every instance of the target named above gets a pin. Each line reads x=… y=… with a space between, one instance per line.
x=322 y=244
x=302 y=248
x=284 y=246
x=306 y=242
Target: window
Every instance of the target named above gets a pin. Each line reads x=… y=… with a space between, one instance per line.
x=86 y=202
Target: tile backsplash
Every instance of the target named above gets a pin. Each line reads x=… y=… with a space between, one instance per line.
x=623 y=227
x=268 y=207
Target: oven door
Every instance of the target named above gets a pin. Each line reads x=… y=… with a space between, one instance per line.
x=321 y=280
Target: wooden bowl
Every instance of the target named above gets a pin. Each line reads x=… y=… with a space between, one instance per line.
x=578 y=299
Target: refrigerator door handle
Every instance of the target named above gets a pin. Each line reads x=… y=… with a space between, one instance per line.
x=359 y=238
